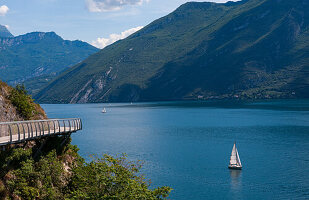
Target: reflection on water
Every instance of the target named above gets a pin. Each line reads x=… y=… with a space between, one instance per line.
x=236 y=185
x=176 y=139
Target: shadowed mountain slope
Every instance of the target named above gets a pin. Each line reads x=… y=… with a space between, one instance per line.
x=248 y=49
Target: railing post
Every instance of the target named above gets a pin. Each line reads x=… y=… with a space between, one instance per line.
x=43 y=128
x=54 y=126
x=36 y=129
x=69 y=125
x=48 y=127
x=74 y=122
x=64 y=125
x=40 y=128
x=28 y=130
x=11 y=138
x=59 y=126
x=22 y=124
x=31 y=129
x=18 y=132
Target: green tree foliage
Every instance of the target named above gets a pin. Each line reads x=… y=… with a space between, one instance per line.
x=112 y=178
x=60 y=173
x=44 y=179
x=23 y=102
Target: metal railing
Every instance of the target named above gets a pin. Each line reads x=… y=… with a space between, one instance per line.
x=20 y=131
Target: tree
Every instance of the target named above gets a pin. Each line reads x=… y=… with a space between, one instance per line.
x=22 y=101
x=61 y=173
x=112 y=178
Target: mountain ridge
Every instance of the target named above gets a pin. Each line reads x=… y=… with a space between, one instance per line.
x=200 y=51
x=39 y=53
x=4 y=32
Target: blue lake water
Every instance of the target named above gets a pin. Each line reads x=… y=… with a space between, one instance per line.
x=187 y=145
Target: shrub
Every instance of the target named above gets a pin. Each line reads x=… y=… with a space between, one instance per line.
x=63 y=174
x=23 y=102
x=112 y=178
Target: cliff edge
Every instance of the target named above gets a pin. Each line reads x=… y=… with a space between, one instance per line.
x=17 y=105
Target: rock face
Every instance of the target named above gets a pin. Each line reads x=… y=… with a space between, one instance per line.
x=246 y=49
x=8 y=111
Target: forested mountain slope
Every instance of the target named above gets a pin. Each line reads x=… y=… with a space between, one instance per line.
x=247 y=49
x=38 y=53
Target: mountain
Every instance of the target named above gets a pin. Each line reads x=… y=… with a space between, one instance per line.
x=248 y=49
x=38 y=53
x=4 y=32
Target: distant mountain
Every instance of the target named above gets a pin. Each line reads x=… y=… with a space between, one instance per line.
x=248 y=49
x=4 y=32
x=36 y=54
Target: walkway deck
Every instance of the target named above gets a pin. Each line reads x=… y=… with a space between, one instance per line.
x=21 y=131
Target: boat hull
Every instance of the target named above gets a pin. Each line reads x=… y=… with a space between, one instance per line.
x=235 y=167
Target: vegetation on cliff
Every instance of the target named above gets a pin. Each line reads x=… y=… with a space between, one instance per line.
x=16 y=104
x=56 y=171
x=24 y=104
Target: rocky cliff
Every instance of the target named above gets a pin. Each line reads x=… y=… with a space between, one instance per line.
x=9 y=111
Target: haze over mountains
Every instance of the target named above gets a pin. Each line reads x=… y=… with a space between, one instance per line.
x=35 y=54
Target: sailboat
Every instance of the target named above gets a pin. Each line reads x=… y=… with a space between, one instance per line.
x=235 y=160
x=104 y=110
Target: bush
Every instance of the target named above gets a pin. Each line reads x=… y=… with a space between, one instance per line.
x=112 y=178
x=44 y=179
x=60 y=173
x=23 y=102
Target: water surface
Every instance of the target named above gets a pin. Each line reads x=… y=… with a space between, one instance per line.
x=187 y=145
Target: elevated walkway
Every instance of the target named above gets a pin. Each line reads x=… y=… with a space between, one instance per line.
x=21 y=131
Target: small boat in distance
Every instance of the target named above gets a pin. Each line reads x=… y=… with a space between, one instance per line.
x=104 y=110
x=235 y=160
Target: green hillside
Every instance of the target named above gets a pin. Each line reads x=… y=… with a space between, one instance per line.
x=248 y=49
x=35 y=54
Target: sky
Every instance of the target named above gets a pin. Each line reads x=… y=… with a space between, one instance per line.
x=99 y=22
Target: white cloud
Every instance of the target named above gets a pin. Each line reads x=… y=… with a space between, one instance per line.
x=110 y=5
x=103 y=42
x=3 y=10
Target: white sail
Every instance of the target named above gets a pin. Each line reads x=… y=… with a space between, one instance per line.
x=233 y=160
x=238 y=159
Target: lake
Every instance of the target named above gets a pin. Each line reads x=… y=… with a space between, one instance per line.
x=187 y=145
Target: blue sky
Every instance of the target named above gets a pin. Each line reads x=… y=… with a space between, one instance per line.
x=99 y=22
